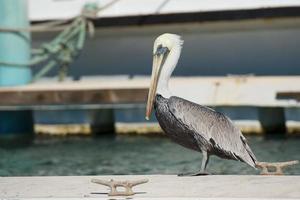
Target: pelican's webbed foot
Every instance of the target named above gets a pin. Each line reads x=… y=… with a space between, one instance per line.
x=199 y=173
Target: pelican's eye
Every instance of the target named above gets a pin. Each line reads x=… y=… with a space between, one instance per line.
x=160 y=50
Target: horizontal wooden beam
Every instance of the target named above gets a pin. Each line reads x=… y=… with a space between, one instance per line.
x=211 y=91
x=289 y=95
x=84 y=96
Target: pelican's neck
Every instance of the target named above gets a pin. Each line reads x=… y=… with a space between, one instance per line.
x=166 y=72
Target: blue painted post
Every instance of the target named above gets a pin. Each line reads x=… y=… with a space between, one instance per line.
x=15 y=48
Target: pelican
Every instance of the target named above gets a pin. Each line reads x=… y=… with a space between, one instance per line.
x=193 y=126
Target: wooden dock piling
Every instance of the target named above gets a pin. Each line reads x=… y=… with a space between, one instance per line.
x=14 y=57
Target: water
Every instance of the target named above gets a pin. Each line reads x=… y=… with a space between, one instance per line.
x=131 y=155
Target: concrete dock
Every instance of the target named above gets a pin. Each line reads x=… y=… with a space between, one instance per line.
x=159 y=186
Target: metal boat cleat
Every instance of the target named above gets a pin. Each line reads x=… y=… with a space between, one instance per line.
x=125 y=184
x=278 y=166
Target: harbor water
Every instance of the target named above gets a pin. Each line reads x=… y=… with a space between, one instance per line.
x=118 y=155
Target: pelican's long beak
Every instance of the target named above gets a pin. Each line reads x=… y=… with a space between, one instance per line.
x=159 y=58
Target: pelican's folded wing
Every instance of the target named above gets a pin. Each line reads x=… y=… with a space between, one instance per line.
x=217 y=129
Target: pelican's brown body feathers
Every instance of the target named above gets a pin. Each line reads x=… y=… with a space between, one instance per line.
x=202 y=129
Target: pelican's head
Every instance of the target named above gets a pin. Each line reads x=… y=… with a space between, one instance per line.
x=166 y=52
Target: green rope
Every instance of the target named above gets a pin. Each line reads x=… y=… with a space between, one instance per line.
x=44 y=70
x=64 y=48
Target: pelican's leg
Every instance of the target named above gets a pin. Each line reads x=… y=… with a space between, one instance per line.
x=205 y=160
x=202 y=171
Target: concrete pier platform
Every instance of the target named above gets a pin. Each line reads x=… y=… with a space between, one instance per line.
x=159 y=186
